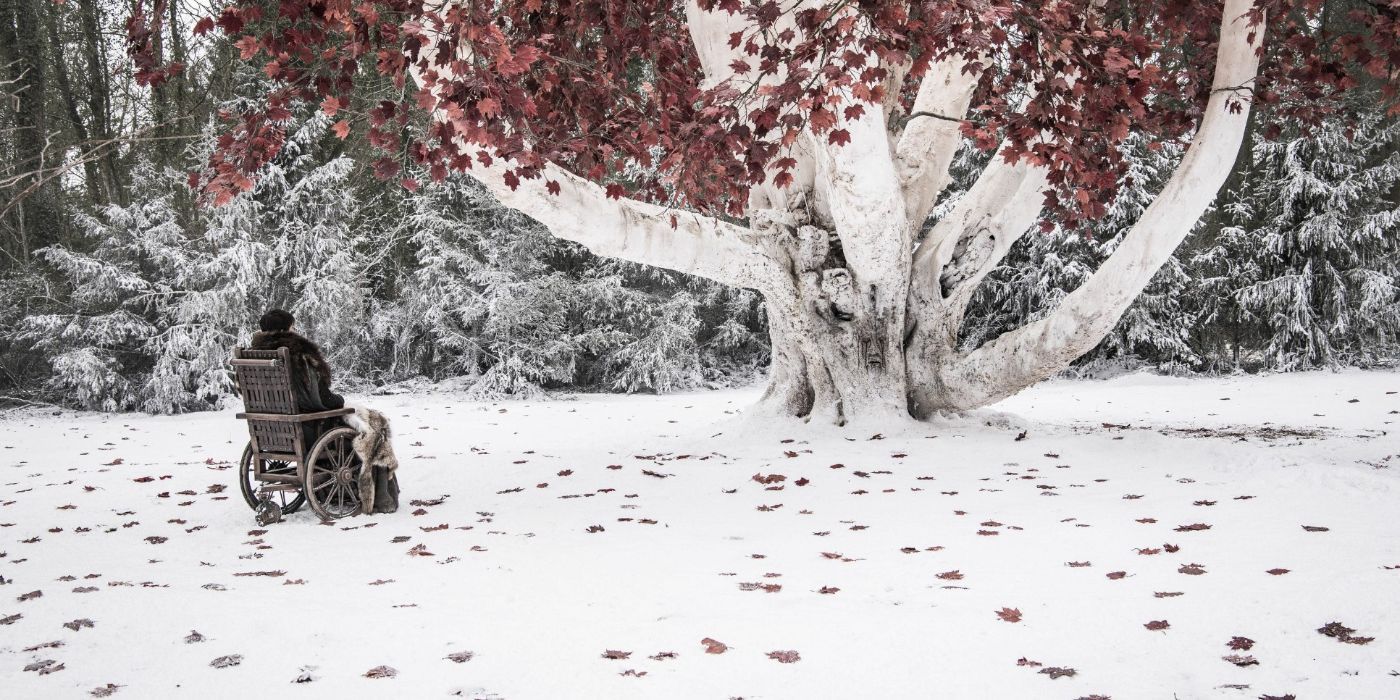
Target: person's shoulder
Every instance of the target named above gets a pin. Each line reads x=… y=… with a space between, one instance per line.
x=271 y=340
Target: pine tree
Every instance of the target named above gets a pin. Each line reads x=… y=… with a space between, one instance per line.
x=158 y=302
x=1309 y=276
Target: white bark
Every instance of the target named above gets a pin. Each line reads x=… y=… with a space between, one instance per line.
x=631 y=230
x=1033 y=353
x=929 y=142
x=951 y=261
x=992 y=215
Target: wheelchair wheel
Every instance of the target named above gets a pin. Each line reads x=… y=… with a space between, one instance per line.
x=333 y=475
x=288 y=501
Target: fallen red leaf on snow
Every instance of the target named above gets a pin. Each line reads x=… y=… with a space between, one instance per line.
x=1009 y=614
x=785 y=657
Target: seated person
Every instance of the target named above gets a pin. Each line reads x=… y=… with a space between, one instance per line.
x=311 y=375
x=311 y=384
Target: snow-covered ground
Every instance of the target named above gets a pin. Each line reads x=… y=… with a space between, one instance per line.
x=551 y=536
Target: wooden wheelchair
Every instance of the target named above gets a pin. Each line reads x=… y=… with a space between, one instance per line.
x=279 y=472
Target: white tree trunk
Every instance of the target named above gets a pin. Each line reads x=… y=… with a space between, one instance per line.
x=864 y=323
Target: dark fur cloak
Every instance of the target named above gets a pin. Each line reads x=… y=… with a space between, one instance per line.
x=311 y=374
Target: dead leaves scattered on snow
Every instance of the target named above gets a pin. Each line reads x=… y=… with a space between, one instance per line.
x=785 y=656
x=1342 y=633
x=1240 y=660
x=227 y=661
x=44 y=667
x=1052 y=671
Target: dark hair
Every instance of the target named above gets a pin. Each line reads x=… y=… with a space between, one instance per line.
x=276 y=320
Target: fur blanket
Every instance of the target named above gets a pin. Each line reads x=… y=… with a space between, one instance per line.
x=379 y=485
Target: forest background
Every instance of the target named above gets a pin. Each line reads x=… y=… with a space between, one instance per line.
x=118 y=291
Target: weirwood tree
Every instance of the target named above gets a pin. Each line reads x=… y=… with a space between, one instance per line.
x=797 y=147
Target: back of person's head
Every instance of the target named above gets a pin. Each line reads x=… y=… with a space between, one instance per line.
x=275 y=320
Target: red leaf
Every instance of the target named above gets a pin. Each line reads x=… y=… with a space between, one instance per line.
x=341 y=129
x=1156 y=625
x=552 y=186
x=1009 y=614
x=331 y=105
x=615 y=191
x=785 y=657
x=247 y=47
x=714 y=646
x=840 y=137
x=204 y=26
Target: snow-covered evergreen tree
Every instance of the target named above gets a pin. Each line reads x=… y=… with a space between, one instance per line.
x=487 y=292
x=158 y=300
x=1307 y=274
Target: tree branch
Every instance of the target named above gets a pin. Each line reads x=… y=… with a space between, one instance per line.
x=1037 y=351
x=629 y=229
x=927 y=146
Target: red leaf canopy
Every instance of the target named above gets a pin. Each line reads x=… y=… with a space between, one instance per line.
x=601 y=88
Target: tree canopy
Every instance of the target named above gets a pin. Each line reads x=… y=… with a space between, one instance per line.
x=600 y=88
